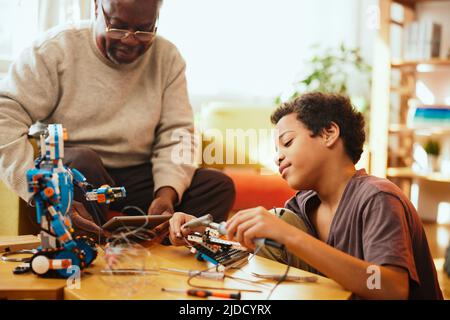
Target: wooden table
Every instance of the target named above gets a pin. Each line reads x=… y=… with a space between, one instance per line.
x=99 y=286
x=95 y=285
x=28 y=286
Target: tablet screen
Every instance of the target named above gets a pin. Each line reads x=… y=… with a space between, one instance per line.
x=148 y=222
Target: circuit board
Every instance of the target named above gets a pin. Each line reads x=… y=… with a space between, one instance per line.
x=222 y=253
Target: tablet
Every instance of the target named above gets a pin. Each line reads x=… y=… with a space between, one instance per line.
x=148 y=222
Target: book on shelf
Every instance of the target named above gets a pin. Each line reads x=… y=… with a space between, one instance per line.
x=422 y=40
x=428 y=116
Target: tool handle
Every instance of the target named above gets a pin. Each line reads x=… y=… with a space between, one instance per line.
x=199 y=293
x=222 y=228
x=236 y=296
x=268 y=242
x=206 y=293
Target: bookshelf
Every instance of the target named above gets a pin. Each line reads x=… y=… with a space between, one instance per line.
x=394 y=84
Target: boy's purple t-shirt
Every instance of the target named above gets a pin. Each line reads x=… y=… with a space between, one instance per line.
x=377 y=223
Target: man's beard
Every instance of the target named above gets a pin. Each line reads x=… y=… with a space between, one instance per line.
x=110 y=57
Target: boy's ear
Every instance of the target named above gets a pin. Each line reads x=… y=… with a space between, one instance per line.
x=331 y=134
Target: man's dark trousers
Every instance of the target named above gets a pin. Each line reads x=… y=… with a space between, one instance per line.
x=211 y=191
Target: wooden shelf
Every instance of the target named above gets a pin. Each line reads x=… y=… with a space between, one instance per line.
x=412 y=3
x=436 y=131
x=414 y=64
x=403 y=84
x=409 y=173
x=400 y=128
x=397 y=23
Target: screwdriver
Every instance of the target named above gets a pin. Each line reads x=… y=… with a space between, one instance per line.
x=205 y=293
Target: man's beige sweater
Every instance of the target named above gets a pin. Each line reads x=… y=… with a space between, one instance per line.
x=129 y=114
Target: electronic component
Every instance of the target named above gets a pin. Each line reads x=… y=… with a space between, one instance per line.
x=207 y=220
x=222 y=253
x=22 y=268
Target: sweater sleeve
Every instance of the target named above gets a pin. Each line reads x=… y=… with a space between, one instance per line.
x=27 y=94
x=175 y=144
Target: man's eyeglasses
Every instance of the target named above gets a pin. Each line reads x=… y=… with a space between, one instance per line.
x=119 y=34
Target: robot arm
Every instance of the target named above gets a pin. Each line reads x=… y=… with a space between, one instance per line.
x=104 y=194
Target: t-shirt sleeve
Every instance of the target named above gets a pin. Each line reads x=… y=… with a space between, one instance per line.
x=386 y=235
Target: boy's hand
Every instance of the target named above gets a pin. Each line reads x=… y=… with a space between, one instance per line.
x=176 y=232
x=248 y=224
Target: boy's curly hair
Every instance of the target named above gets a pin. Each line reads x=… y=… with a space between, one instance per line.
x=317 y=110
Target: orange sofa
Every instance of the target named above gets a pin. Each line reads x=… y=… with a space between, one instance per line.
x=254 y=189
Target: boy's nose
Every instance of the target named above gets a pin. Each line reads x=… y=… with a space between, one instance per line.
x=278 y=158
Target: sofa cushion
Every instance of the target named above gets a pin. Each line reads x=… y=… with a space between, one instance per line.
x=254 y=189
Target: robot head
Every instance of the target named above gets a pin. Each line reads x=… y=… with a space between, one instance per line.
x=52 y=143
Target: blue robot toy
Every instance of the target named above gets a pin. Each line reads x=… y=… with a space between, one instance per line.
x=51 y=183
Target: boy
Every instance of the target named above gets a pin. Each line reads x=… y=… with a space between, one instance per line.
x=350 y=223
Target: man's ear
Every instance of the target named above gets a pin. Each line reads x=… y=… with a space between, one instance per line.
x=331 y=134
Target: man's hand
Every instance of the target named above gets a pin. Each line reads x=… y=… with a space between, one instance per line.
x=83 y=220
x=249 y=224
x=165 y=197
x=176 y=231
x=160 y=206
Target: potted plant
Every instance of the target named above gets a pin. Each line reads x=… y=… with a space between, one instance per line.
x=339 y=70
x=433 y=150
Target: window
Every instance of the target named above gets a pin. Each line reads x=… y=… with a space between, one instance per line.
x=21 y=21
x=18 y=26
x=253 y=47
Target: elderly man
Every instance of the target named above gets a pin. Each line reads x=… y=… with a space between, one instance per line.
x=120 y=91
